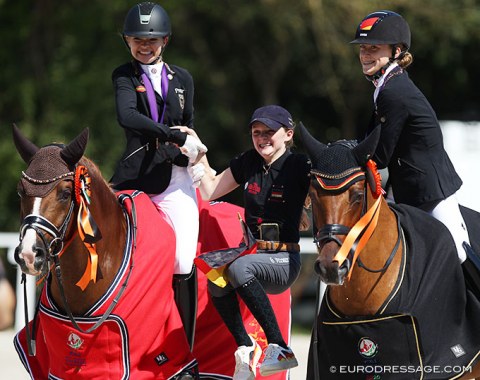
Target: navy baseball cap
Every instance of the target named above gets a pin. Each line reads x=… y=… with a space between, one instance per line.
x=274 y=117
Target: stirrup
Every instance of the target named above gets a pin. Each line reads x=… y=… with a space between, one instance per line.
x=471 y=269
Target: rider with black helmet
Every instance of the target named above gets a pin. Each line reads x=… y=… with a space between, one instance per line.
x=411 y=143
x=152 y=98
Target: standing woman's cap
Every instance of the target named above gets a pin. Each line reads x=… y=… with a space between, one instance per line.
x=147 y=20
x=274 y=117
x=383 y=28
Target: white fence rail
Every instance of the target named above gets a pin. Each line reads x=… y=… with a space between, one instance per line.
x=9 y=240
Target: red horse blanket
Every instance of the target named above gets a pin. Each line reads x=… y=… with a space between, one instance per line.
x=143 y=338
x=214 y=345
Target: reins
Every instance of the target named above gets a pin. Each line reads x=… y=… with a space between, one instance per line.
x=133 y=221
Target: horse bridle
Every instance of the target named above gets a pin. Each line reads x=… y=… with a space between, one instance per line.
x=43 y=226
x=330 y=232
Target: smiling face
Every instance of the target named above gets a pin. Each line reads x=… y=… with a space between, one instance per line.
x=146 y=50
x=374 y=57
x=270 y=144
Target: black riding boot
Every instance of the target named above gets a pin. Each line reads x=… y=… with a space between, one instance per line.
x=185 y=293
x=471 y=269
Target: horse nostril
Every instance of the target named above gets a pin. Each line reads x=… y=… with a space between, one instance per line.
x=318 y=268
x=40 y=255
x=16 y=255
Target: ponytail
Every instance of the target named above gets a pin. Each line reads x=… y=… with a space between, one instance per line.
x=406 y=60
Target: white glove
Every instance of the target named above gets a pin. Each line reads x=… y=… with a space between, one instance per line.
x=196 y=172
x=192 y=147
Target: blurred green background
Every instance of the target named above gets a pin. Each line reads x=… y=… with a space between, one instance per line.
x=57 y=59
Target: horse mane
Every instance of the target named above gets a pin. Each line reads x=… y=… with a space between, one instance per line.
x=100 y=187
x=94 y=170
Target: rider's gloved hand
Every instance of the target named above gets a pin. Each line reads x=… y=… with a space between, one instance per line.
x=192 y=147
x=196 y=172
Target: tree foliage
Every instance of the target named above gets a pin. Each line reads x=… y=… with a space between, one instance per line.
x=57 y=59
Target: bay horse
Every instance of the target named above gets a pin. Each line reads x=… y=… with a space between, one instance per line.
x=107 y=308
x=396 y=304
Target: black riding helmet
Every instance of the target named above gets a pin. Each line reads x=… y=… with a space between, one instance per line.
x=383 y=28
x=147 y=20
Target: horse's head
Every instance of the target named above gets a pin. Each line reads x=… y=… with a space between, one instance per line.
x=47 y=199
x=338 y=193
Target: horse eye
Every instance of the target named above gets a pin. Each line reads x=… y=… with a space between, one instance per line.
x=65 y=194
x=20 y=191
x=356 y=197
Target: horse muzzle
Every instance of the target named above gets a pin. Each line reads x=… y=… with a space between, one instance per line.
x=331 y=274
x=31 y=261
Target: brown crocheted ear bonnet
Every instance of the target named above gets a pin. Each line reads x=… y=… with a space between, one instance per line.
x=48 y=165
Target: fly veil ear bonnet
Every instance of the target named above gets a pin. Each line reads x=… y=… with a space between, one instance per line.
x=339 y=164
x=50 y=164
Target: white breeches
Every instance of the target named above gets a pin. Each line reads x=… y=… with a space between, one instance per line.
x=179 y=203
x=448 y=212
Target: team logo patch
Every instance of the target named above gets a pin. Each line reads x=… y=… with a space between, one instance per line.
x=458 y=350
x=161 y=358
x=253 y=188
x=367 y=348
x=181 y=97
x=140 y=89
x=74 y=341
x=368 y=23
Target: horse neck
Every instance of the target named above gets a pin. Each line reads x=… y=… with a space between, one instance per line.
x=366 y=292
x=108 y=215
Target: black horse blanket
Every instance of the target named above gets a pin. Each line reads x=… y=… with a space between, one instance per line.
x=427 y=329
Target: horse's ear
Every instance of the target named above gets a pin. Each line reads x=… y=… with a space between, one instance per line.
x=365 y=150
x=25 y=147
x=312 y=146
x=73 y=152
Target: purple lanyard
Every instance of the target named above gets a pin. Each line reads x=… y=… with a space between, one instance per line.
x=152 y=101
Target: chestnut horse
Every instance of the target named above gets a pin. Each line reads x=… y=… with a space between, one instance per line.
x=396 y=304
x=107 y=308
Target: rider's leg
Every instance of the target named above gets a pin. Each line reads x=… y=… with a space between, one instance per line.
x=185 y=292
x=179 y=203
x=255 y=276
x=226 y=303
x=448 y=212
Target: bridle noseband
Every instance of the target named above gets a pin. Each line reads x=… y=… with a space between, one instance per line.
x=328 y=233
x=42 y=226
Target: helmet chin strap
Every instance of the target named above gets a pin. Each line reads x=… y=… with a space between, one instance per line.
x=376 y=76
x=159 y=58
